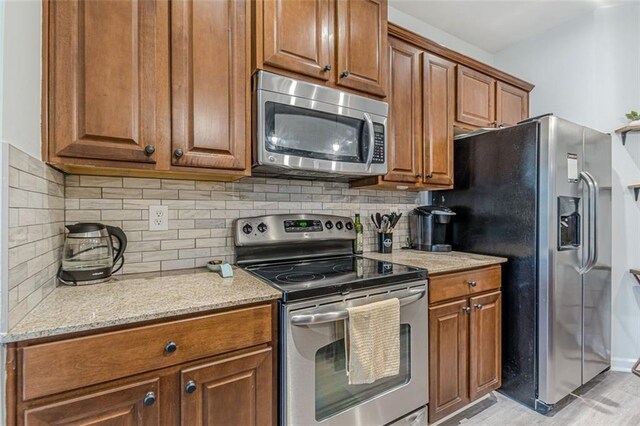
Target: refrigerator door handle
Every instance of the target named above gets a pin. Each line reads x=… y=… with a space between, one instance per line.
x=592 y=209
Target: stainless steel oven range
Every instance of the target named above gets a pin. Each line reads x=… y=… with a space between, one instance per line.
x=305 y=130
x=309 y=258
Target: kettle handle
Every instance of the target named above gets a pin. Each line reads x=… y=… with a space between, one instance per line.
x=114 y=231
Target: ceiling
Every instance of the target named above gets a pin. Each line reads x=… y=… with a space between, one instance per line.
x=495 y=25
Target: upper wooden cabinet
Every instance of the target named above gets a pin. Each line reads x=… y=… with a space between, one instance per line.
x=512 y=104
x=340 y=43
x=147 y=88
x=483 y=101
x=210 y=84
x=362 y=45
x=295 y=36
x=107 y=82
x=404 y=145
x=439 y=105
x=476 y=98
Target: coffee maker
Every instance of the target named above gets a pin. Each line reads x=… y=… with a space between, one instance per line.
x=428 y=227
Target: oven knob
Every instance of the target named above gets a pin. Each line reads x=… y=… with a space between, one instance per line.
x=339 y=225
x=262 y=227
x=247 y=229
x=328 y=224
x=349 y=226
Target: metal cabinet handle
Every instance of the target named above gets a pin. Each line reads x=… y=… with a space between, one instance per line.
x=327 y=68
x=472 y=283
x=344 y=74
x=478 y=306
x=149 y=399
x=494 y=123
x=466 y=309
x=419 y=175
x=170 y=347
x=149 y=149
x=191 y=387
x=178 y=153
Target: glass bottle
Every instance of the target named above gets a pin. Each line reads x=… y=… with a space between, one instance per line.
x=358 y=243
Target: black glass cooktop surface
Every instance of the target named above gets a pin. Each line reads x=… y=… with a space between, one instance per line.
x=333 y=275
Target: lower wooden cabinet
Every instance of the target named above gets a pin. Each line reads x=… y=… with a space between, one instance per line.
x=448 y=358
x=193 y=382
x=231 y=391
x=485 y=367
x=465 y=344
x=133 y=404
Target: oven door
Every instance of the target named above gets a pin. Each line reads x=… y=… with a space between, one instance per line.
x=314 y=385
x=304 y=134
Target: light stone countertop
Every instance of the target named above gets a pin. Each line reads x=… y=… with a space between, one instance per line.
x=437 y=263
x=133 y=298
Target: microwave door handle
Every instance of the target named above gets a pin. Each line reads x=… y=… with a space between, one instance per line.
x=325 y=317
x=372 y=140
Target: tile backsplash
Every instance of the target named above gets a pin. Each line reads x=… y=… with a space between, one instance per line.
x=36 y=232
x=201 y=213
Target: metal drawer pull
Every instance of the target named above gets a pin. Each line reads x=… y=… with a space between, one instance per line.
x=324 y=317
x=478 y=306
x=472 y=283
x=466 y=309
x=171 y=347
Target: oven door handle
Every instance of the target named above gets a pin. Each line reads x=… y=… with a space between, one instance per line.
x=372 y=139
x=325 y=317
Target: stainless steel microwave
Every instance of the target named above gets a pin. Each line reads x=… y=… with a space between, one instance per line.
x=310 y=131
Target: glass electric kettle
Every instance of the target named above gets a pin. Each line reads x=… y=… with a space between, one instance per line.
x=88 y=255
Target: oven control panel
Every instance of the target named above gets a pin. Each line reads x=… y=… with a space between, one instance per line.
x=284 y=228
x=378 y=143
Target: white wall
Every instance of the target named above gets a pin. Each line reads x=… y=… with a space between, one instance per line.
x=439 y=36
x=20 y=59
x=588 y=71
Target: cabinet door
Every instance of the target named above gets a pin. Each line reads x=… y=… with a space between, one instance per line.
x=512 y=104
x=404 y=148
x=108 y=81
x=439 y=100
x=362 y=45
x=485 y=365
x=231 y=391
x=476 y=98
x=448 y=357
x=295 y=36
x=210 y=84
x=134 y=404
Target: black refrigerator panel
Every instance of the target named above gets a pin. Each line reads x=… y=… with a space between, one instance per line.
x=495 y=201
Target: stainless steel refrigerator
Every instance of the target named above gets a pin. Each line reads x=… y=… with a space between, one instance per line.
x=539 y=194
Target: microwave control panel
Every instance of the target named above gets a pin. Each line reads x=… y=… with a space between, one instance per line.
x=378 y=144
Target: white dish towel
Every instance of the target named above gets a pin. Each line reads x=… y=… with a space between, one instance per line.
x=373 y=341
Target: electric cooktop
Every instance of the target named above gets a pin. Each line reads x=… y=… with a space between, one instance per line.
x=302 y=279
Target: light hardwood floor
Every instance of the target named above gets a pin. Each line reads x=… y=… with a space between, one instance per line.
x=611 y=399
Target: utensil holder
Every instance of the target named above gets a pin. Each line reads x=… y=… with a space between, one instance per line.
x=385 y=242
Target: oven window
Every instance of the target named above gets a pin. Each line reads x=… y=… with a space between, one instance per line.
x=333 y=392
x=314 y=134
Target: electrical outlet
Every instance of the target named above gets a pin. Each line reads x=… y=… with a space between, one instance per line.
x=158 y=218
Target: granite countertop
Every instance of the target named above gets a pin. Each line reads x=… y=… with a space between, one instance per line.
x=138 y=297
x=438 y=263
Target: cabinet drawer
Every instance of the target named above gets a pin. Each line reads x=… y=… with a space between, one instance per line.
x=99 y=358
x=462 y=284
